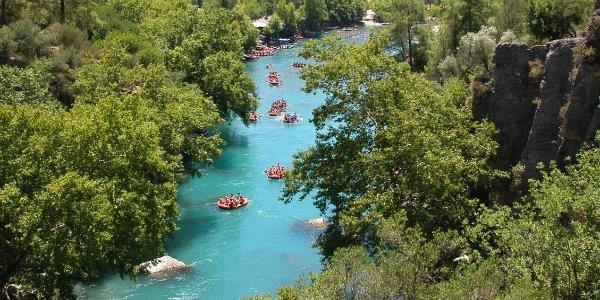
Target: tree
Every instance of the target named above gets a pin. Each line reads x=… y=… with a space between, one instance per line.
x=473 y=56
x=186 y=113
x=462 y=16
x=387 y=141
x=555 y=19
x=287 y=16
x=3 y=13
x=93 y=189
x=62 y=11
x=315 y=14
x=274 y=28
x=345 y=12
x=82 y=192
x=554 y=234
x=511 y=16
x=401 y=268
x=405 y=16
x=253 y=8
x=216 y=33
x=20 y=86
x=225 y=81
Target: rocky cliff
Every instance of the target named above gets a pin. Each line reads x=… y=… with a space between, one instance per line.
x=543 y=100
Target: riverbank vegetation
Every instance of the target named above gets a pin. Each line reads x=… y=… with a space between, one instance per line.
x=102 y=101
x=402 y=168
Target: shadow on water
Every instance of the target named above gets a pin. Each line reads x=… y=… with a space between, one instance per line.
x=233 y=137
x=193 y=223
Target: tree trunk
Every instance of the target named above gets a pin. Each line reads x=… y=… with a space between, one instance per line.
x=62 y=11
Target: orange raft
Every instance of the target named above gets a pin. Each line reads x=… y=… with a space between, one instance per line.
x=275 y=172
x=290 y=119
x=231 y=202
x=277 y=108
x=273 y=78
x=253 y=117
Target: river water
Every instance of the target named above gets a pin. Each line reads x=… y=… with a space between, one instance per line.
x=252 y=250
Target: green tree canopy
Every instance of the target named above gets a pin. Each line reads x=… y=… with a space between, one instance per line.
x=554 y=236
x=555 y=19
x=29 y=85
x=94 y=189
x=459 y=17
x=208 y=51
x=316 y=15
x=387 y=140
x=405 y=17
x=82 y=192
x=345 y=12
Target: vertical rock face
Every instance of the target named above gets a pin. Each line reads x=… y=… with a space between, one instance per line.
x=581 y=119
x=543 y=141
x=563 y=79
x=511 y=105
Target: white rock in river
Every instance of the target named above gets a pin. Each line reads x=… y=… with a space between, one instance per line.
x=161 y=264
x=318 y=222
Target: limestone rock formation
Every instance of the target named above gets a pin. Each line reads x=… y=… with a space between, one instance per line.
x=511 y=106
x=543 y=100
x=161 y=265
x=544 y=140
x=581 y=118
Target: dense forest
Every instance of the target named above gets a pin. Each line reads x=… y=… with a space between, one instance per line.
x=103 y=104
x=422 y=202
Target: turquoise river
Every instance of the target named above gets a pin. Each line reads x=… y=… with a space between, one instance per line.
x=252 y=250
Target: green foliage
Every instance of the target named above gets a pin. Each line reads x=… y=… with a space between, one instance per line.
x=101 y=179
x=275 y=27
x=207 y=48
x=555 y=19
x=405 y=15
x=20 y=86
x=92 y=189
x=286 y=12
x=486 y=280
x=511 y=15
x=224 y=80
x=82 y=191
x=403 y=266
x=287 y=292
x=555 y=234
x=22 y=41
x=345 y=12
x=473 y=56
x=462 y=16
x=259 y=297
x=185 y=112
x=316 y=15
x=408 y=146
x=254 y=8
